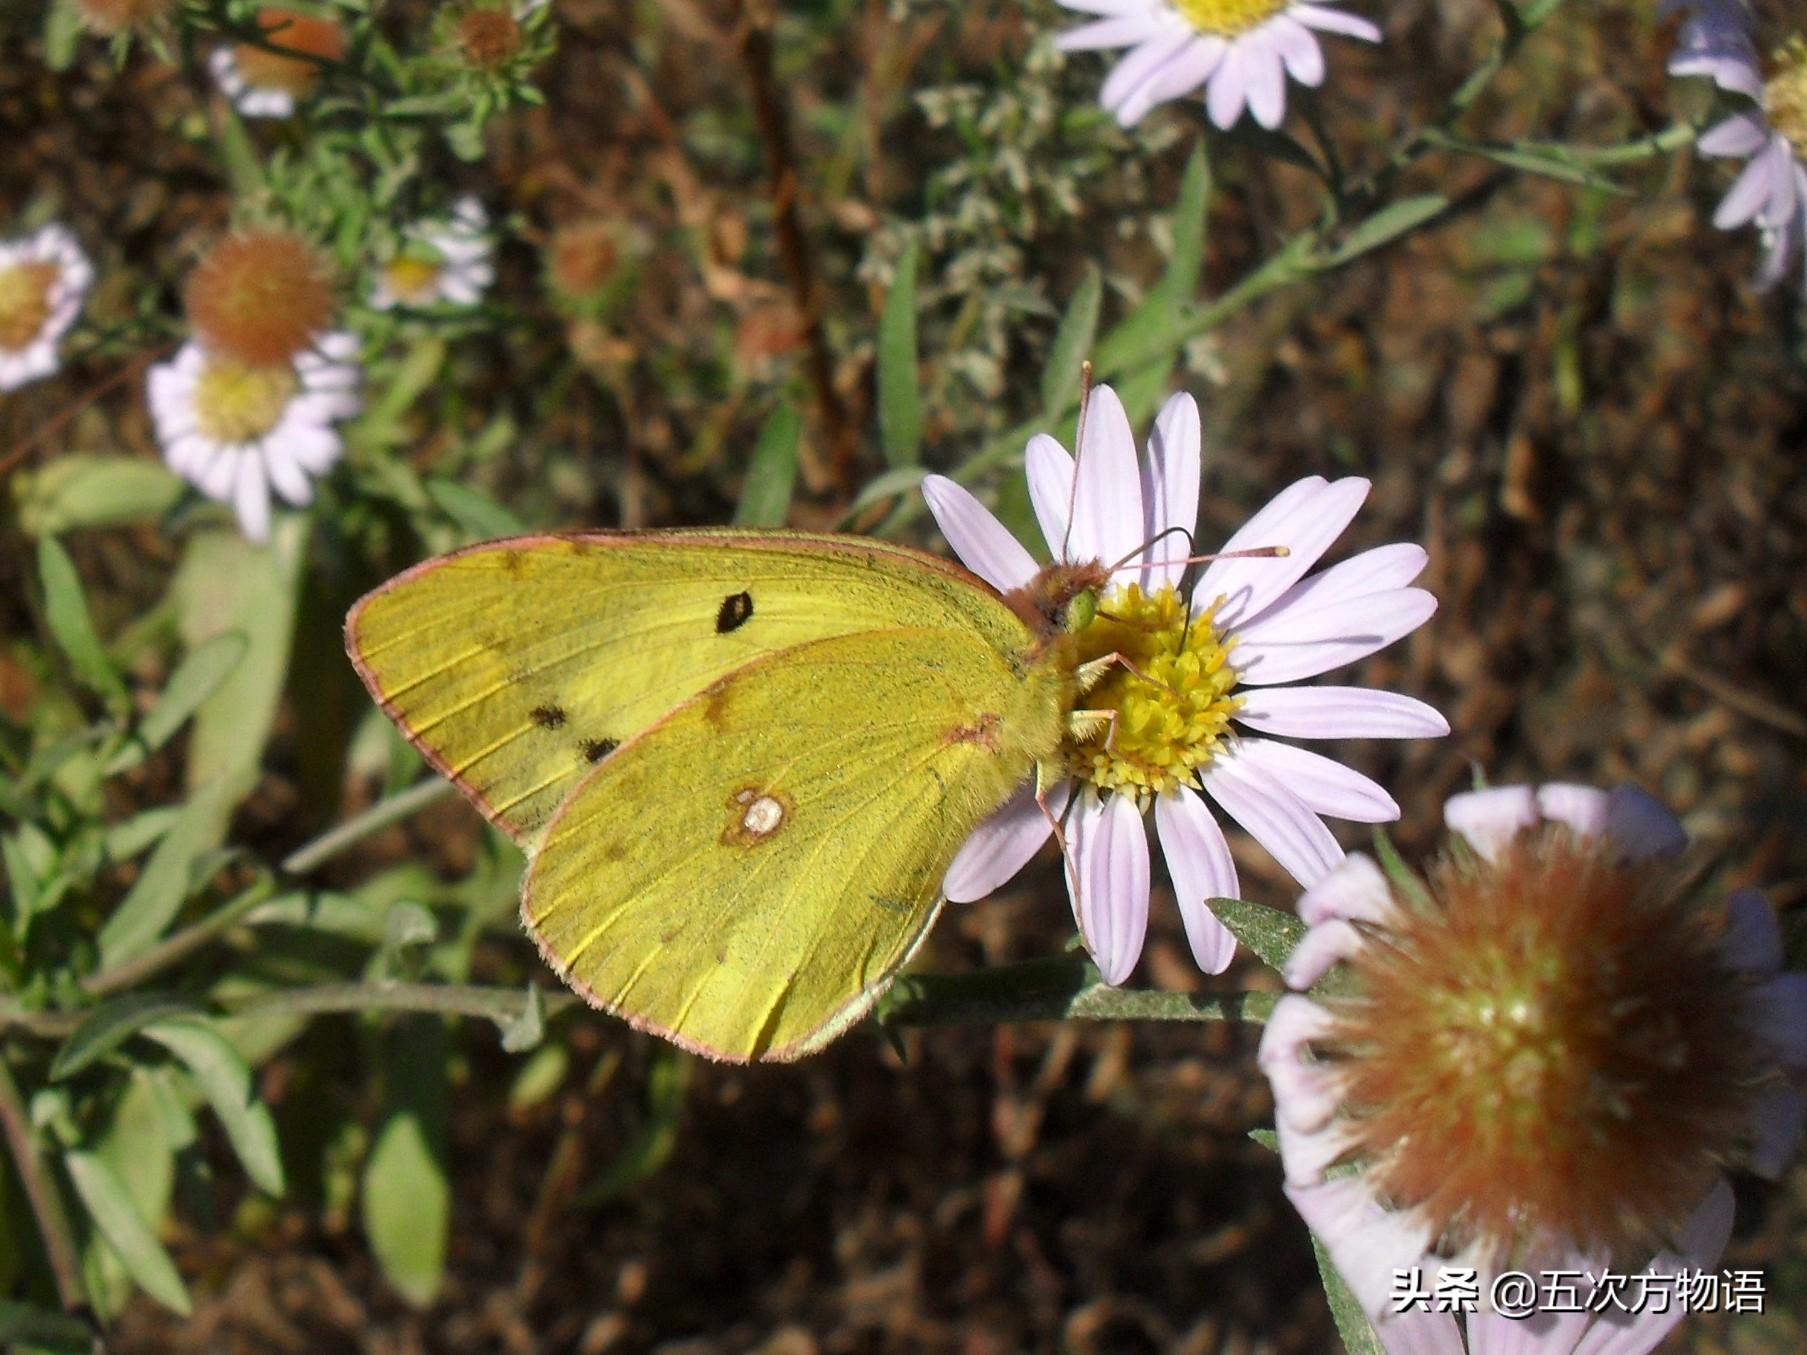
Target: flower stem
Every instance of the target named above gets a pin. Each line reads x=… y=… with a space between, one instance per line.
x=46 y=1200
x=1061 y=988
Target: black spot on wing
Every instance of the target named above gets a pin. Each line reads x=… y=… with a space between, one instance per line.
x=548 y=716
x=736 y=610
x=595 y=750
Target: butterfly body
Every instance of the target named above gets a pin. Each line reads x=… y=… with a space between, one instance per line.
x=740 y=762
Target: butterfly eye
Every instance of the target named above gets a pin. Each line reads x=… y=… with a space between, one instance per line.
x=1082 y=610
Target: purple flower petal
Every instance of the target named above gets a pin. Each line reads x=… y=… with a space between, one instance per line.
x=1752 y=942
x=1641 y=825
x=1002 y=845
x=1780 y=1115
x=1274 y=817
x=1355 y=890
x=1107 y=516
x=980 y=540
x=1422 y=1333
x=1183 y=72
x=1339 y=713
x=1109 y=850
x=1698 y=1247
x=1545 y=1333
x=1366 y=1242
x=1198 y=860
x=1122 y=30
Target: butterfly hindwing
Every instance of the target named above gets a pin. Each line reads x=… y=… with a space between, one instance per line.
x=746 y=875
x=517 y=665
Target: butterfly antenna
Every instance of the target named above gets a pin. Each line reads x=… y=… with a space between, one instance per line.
x=1085 y=404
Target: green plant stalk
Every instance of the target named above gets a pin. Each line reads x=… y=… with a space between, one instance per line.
x=313 y=855
x=46 y=1200
x=177 y=947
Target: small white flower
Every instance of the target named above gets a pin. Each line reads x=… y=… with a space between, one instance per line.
x=1539 y=1056
x=262 y=80
x=1226 y=655
x=237 y=432
x=450 y=262
x=1771 y=191
x=1240 y=51
x=252 y=101
x=43 y=279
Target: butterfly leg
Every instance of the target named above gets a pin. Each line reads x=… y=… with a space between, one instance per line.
x=1089 y=675
x=1042 y=781
x=1083 y=725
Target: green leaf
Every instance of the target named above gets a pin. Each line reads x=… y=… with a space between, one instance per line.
x=75 y=492
x=478 y=516
x=1180 y=281
x=1345 y=1311
x=117 y=1219
x=899 y=389
x=29 y=858
x=1270 y=933
x=406 y=1197
x=1401 y=876
x=541 y=1074
x=25 y=1324
x=650 y=1149
x=225 y=1080
x=765 y=498
x=1548 y=164
x=1385 y=226
x=66 y=612
x=196 y=678
x=1276 y=145
x=127 y=838
x=1072 y=344
x=529 y=1027
x=164 y=884
x=887 y=485
x=63 y=30
x=110 y=1025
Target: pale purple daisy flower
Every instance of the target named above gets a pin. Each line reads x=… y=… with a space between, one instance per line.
x=1186 y=672
x=1239 y=51
x=43 y=279
x=1716 y=43
x=238 y=431
x=449 y=262
x=1535 y=1059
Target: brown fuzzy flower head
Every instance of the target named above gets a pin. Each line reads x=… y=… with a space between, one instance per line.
x=116 y=16
x=487 y=37
x=297 y=32
x=261 y=296
x=582 y=258
x=1544 y=1049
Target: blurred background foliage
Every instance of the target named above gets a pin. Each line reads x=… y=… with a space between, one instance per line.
x=767 y=265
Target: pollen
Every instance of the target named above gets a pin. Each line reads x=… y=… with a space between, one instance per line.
x=1549 y=1046
x=236 y=403
x=1166 y=697
x=1229 y=18
x=260 y=297
x=1785 y=94
x=24 y=302
x=319 y=40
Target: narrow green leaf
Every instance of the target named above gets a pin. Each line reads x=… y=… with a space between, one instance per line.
x=117 y=1219
x=24 y=1324
x=63 y=29
x=1386 y=225
x=542 y=1072
x=1270 y=933
x=238 y=155
x=1072 y=344
x=1401 y=876
x=110 y=1025
x=75 y=492
x=197 y=677
x=225 y=1080
x=29 y=858
x=163 y=886
x=478 y=516
x=1351 y=1322
x=1180 y=281
x=1276 y=145
x=66 y=612
x=406 y=1197
x=765 y=498
x=899 y=390
x=1547 y=164
x=887 y=485
x=127 y=838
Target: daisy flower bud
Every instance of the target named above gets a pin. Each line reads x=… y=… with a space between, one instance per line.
x=442 y=262
x=488 y=37
x=263 y=83
x=239 y=430
x=43 y=279
x=260 y=296
x=1240 y=52
x=1541 y=1057
x=1189 y=677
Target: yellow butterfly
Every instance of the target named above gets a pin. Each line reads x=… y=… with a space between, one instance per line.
x=740 y=763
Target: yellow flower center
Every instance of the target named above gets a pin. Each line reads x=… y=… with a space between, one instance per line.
x=1785 y=96
x=1170 y=693
x=24 y=302
x=413 y=278
x=1229 y=18
x=237 y=402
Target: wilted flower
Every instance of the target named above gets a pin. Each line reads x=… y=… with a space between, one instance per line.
x=1239 y=51
x=238 y=430
x=1191 y=667
x=263 y=83
x=1539 y=1058
x=43 y=279
x=443 y=261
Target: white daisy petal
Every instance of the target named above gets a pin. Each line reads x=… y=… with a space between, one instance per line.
x=1002 y=845
x=1327 y=20
x=1170 y=480
x=1355 y=890
x=1141 y=62
x=1123 y=30
x=1698 y=1247
x=1299 y=48
x=251 y=497
x=1307 y=528
x=1228 y=90
x=1112 y=6
x=1365 y=1242
x=1198 y=861
x=1051 y=481
x=1267 y=79
x=1276 y=818
x=1109 y=852
x=1379 y=570
x=1423 y=1333
x=1183 y=72
x=1489 y=819
x=1107 y=514
x=1339 y=713
x=1545 y=1333
x=1288 y=650
x=1326 y=786
x=983 y=543
x=287 y=476
x=1582 y=808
